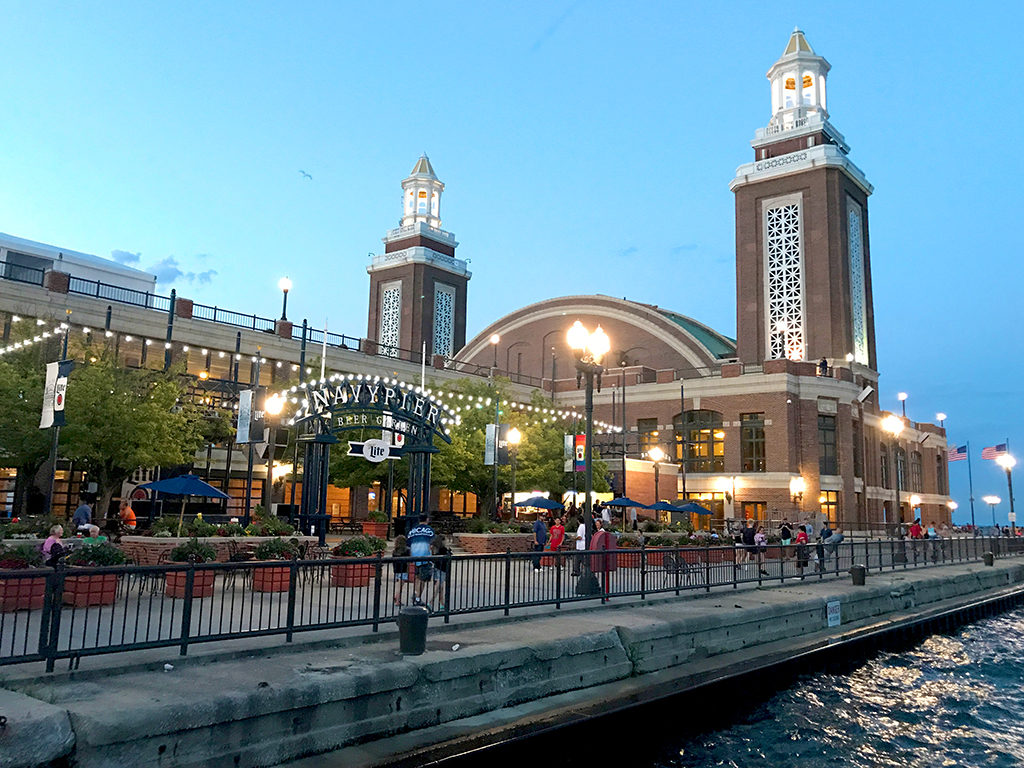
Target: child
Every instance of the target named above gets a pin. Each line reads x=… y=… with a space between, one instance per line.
x=401 y=568
x=439 y=548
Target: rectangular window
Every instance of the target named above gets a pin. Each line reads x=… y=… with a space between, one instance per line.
x=649 y=434
x=829 y=501
x=752 y=442
x=916 y=472
x=705 y=441
x=940 y=475
x=755 y=510
x=901 y=469
x=828 y=463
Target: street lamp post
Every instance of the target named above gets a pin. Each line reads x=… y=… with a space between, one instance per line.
x=655 y=454
x=941 y=417
x=903 y=402
x=514 y=436
x=893 y=424
x=589 y=350
x=993 y=502
x=1007 y=462
x=285 y=285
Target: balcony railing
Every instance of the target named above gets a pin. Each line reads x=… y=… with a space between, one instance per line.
x=228 y=317
x=101 y=290
x=20 y=274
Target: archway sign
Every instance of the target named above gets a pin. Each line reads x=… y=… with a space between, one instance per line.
x=408 y=419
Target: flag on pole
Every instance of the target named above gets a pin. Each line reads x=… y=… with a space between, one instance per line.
x=993 y=451
x=957 y=453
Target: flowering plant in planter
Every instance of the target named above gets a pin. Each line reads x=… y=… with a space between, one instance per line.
x=94 y=588
x=230 y=529
x=192 y=551
x=375 y=524
x=355 y=574
x=274 y=579
x=18 y=593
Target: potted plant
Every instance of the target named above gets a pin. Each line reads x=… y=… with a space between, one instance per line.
x=278 y=578
x=93 y=588
x=629 y=551
x=21 y=593
x=376 y=524
x=656 y=558
x=355 y=574
x=192 y=551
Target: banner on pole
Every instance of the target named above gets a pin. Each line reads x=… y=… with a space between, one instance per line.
x=581 y=453
x=496 y=444
x=55 y=394
x=250 y=416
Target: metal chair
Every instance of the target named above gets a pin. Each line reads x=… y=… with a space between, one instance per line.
x=674 y=566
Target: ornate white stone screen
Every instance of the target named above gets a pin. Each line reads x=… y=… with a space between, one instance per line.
x=390 y=318
x=783 y=254
x=444 y=319
x=858 y=299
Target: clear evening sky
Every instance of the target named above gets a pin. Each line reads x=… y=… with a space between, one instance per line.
x=586 y=147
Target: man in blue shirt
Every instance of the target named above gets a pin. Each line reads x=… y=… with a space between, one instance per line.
x=540 y=538
x=419 y=539
x=83 y=515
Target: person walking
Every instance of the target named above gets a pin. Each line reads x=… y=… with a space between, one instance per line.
x=761 y=546
x=419 y=539
x=748 y=551
x=540 y=538
x=581 y=545
x=439 y=548
x=401 y=569
x=556 y=539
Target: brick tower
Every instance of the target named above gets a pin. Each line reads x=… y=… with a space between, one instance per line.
x=417 y=286
x=803 y=276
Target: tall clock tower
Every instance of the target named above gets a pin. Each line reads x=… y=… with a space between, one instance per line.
x=417 y=286
x=803 y=276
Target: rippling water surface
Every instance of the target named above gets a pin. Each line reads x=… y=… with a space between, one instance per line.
x=951 y=700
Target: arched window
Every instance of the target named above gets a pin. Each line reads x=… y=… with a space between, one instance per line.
x=916 y=478
x=700 y=441
x=421 y=205
x=901 y=469
x=435 y=201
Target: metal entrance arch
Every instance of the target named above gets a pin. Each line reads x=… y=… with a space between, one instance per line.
x=330 y=407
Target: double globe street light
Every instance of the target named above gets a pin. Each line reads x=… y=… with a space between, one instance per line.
x=589 y=349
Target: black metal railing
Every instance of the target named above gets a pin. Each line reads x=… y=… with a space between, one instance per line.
x=101 y=290
x=79 y=612
x=20 y=274
x=237 y=319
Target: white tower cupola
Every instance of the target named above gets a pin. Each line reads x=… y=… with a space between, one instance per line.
x=798 y=84
x=421 y=195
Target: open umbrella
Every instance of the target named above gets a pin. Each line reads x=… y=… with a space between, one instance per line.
x=539 y=502
x=624 y=501
x=185 y=486
x=694 y=508
x=664 y=506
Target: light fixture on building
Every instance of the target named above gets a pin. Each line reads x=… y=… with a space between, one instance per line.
x=797 y=486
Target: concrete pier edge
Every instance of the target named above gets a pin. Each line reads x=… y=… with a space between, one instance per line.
x=363 y=705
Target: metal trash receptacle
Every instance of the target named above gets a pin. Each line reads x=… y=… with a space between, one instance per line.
x=858 y=573
x=412 y=629
x=990 y=559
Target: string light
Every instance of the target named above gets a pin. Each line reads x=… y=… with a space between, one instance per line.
x=56 y=330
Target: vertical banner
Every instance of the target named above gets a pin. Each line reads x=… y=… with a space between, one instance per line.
x=503 y=454
x=251 y=416
x=581 y=453
x=55 y=394
x=490 y=442
x=568 y=453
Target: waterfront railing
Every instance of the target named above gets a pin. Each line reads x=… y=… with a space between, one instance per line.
x=71 y=613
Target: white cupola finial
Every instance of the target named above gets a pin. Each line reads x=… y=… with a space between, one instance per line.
x=798 y=84
x=421 y=195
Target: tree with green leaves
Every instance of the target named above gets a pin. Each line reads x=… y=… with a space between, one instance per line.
x=120 y=419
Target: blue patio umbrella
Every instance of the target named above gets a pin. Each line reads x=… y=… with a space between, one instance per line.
x=539 y=502
x=185 y=486
x=694 y=508
x=664 y=506
x=625 y=501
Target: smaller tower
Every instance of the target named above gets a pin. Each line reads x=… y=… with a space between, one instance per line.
x=798 y=84
x=417 y=286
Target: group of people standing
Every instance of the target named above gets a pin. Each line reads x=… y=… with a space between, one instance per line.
x=422 y=542
x=795 y=541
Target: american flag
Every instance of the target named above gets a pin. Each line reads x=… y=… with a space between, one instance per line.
x=957 y=454
x=993 y=451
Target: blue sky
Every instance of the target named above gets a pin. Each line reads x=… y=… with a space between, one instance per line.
x=586 y=147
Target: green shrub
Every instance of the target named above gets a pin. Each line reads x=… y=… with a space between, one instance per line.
x=477 y=525
x=628 y=541
x=163 y=526
x=376 y=517
x=277 y=549
x=20 y=556
x=661 y=541
x=194 y=551
x=103 y=553
x=359 y=546
x=200 y=527
x=37 y=527
x=651 y=526
x=230 y=529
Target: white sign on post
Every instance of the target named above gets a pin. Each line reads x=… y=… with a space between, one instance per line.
x=833 y=613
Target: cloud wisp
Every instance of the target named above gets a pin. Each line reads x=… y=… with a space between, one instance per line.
x=168 y=270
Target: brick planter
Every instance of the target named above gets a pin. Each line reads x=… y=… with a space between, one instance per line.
x=276 y=579
x=22 y=594
x=153 y=550
x=93 y=589
x=202 y=583
x=380 y=530
x=484 y=543
x=629 y=558
x=351 y=574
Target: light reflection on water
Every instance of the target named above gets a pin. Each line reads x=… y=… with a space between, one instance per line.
x=949 y=701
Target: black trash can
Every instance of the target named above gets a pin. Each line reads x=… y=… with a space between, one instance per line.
x=412 y=629
x=990 y=559
x=859 y=573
